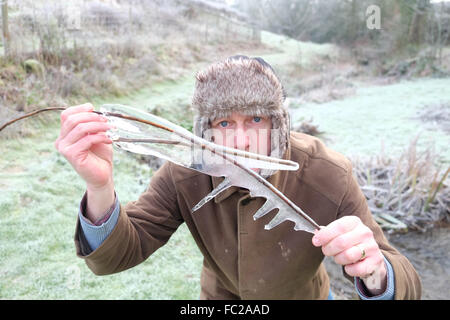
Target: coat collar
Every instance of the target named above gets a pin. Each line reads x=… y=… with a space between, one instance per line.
x=278 y=179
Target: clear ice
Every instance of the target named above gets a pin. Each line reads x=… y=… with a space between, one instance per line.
x=164 y=139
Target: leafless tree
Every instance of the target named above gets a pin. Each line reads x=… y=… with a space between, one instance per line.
x=438 y=30
x=419 y=21
x=5 y=29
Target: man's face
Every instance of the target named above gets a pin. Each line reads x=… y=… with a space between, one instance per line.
x=247 y=133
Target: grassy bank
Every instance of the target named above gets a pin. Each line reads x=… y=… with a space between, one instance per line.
x=39 y=199
x=40 y=193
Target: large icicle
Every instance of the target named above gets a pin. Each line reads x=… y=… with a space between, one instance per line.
x=145 y=133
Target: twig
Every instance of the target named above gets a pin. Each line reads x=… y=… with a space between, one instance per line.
x=151 y=141
x=30 y=115
x=224 y=153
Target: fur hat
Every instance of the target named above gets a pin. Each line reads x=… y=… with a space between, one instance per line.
x=245 y=85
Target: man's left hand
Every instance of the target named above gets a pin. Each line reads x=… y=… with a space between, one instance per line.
x=352 y=244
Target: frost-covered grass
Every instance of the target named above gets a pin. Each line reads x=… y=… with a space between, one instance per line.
x=39 y=199
x=292 y=51
x=381 y=116
x=167 y=99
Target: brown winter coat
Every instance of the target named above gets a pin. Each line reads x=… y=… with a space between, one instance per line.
x=241 y=258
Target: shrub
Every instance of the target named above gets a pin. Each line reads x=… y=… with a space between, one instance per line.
x=409 y=188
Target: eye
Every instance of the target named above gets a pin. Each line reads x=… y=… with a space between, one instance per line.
x=223 y=124
x=257 y=119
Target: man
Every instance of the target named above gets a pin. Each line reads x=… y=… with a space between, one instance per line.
x=239 y=103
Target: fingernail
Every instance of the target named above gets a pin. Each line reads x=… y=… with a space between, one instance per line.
x=316 y=241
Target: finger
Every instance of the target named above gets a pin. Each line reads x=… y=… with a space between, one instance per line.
x=363 y=268
x=347 y=240
x=73 y=120
x=349 y=256
x=360 y=269
x=334 y=229
x=85 y=128
x=87 y=107
x=85 y=144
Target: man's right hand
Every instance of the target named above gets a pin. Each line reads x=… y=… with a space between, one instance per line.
x=84 y=143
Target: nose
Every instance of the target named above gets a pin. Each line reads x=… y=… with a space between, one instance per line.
x=241 y=139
